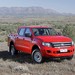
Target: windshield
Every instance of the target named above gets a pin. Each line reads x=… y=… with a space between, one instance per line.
x=43 y=31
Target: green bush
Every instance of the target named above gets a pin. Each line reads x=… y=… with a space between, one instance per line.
x=69 y=31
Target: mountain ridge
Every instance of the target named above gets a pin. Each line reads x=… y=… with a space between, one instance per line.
x=28 y=11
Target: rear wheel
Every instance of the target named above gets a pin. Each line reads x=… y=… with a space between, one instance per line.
x=36 y=56
x=13 y=51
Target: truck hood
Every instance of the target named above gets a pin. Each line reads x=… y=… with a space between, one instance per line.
x=54 y=38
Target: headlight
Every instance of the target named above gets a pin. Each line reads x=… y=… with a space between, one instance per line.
x=46 y=44
x=72 y=43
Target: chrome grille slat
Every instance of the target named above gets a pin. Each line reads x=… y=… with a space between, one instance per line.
x=60 y=44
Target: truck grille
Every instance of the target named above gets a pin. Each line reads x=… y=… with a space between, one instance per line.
x=61 y=44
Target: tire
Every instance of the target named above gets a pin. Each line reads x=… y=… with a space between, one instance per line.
x=13 y=51
x=70 y=58
x=36 y=56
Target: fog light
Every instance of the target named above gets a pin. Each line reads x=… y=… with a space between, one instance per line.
x=48 y=51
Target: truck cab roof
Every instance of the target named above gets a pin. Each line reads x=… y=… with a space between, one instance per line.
x=33 y=27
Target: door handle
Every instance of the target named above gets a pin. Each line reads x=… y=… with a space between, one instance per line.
x=23 y=38
x=17 y=37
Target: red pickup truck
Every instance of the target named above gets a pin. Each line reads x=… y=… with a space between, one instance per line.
x=40 y=41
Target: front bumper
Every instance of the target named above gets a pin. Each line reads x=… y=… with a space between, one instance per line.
x=55 y=52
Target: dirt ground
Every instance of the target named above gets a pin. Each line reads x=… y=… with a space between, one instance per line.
x=22 y=65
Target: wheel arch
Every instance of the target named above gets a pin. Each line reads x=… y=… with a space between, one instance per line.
x=11 y=43
x=35 y=47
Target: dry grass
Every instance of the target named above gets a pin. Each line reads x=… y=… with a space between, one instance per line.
x=22 y=65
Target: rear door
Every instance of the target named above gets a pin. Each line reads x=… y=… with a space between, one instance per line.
x=20 y=39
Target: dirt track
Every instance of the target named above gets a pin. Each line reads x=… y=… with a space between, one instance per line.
x=22 y=65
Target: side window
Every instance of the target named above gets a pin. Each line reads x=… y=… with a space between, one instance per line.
x=28 y=31
x=21 y=32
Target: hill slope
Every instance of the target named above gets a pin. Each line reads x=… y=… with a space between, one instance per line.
x=27 y=11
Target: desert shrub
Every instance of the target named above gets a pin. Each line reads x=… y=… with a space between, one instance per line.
x=6 y=39
x=1 y=40
x=61 y=23
x=9 y=28
x=69 y=31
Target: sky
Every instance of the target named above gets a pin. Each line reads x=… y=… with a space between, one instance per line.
x=63 y=6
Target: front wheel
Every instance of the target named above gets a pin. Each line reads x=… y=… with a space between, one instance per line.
x=70 y=58
x=36 y=56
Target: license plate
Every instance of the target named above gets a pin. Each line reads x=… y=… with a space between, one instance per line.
x=63 y=50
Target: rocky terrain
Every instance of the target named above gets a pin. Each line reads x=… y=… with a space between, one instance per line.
x=22 y=65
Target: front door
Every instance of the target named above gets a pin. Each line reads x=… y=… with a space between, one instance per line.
x=28 y=41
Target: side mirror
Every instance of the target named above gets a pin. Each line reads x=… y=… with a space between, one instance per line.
x=59 y=33
x=28 y=35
